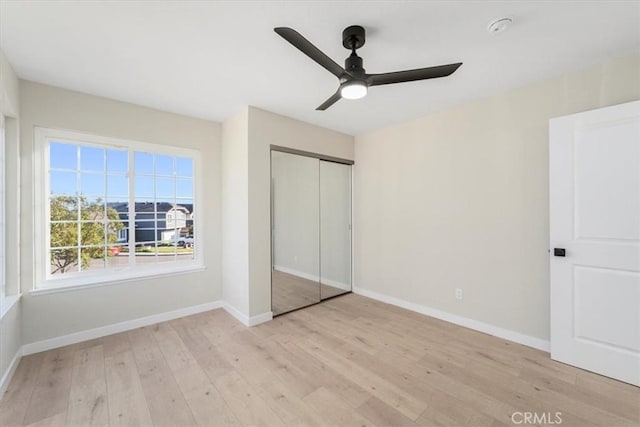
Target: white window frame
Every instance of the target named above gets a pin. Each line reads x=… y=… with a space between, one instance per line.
x=45 y=282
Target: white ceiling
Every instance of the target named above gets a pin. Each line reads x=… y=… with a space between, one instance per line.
x=208 y=59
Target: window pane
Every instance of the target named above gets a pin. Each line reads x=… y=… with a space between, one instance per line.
x=63 y=208
x=166 y=251
x=168 y=203
x=184 y=188
x=144 y=186
x=145 y=211
x=174 y=218
x=168 y=235
x=164 y=165
x=143 y=162
x=117 y=161
x=92 y=159
x=186 y=251
x=92 y=233
x=145 y=253
x=117 y=205
x=63 y=183
x=63 y=234
x=64 y=261
x=145 y=231
x=63 y=156
x=92 y=184
x=117 y=231
x=93 y=258
x=165 y=187
x=117 y=185
x=187 y=206
x=118 y=256
x=92 y=209
x=184 y=167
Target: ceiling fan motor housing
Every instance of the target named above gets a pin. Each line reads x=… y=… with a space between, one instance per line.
x=353 y=37
x=353 y=64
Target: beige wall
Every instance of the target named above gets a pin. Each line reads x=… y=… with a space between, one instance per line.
x=459 y=199
x=266 y=129
x=235 y=212
x=51 y=315
x=9 y=88
x=11 y=319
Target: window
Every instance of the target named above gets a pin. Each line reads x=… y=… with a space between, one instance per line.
x=113 y=209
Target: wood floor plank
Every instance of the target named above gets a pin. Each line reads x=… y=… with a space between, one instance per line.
x=51 y=394
x=245 y=402
x=320 y=375
x=288 y=404
x=334 y=409
x=206 y=403
x=370 y=381
x=348 y=361
x=381 y=414
x=166 y=402
x=15 y=401
x=88 y=392
x=56 y=420
x=127 y=403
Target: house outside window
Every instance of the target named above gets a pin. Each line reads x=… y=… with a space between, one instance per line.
x=112 y=209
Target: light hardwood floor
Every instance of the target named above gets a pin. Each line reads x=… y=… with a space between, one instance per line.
x=348 y=361
x=290 y=292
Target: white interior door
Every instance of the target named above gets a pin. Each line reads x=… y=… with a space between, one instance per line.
x=595 y=218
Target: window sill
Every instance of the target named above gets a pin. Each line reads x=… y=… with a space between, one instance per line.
x=114 y=280
x=7 y=304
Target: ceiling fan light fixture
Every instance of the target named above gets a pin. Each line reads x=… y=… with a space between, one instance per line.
x=353 y=89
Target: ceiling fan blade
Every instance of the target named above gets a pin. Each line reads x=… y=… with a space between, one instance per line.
x=306 y=47
x=412 y=75
x=329 y=102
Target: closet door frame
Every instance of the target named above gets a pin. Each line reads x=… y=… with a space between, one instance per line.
x=318 y=156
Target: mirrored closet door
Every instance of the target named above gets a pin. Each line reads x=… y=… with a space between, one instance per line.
x=335 y=229
x=310 y=229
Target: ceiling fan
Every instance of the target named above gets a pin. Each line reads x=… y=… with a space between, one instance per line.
x=354 y=81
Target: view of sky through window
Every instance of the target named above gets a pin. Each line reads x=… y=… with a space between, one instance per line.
x=92 y=189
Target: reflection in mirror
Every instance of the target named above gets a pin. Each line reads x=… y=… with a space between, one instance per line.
x=295 y=232
x=335 y=229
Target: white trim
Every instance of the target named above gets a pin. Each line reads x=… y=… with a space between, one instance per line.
x=44 y=345
x=260 y=318
x=240 y=316
x=244 y=319
x=6 y=378
x=329 y=282
x=114 y=279
x=476 y=325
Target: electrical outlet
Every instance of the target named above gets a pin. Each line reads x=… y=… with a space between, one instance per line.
x=458 y=293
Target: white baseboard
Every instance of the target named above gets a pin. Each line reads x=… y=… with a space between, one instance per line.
x=325 y=281
x=246 y=320
x=240 y=316
x=6 y=378
x=486 y=328
x=44 y=345
x=260 y=318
